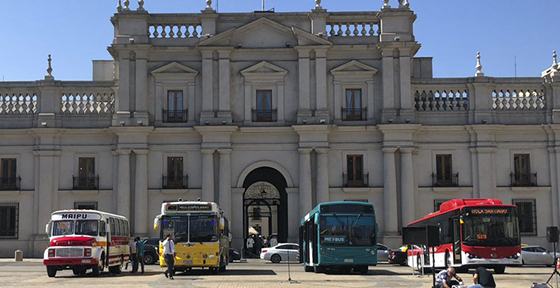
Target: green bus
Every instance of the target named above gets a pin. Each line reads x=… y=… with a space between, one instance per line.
x=339 y=236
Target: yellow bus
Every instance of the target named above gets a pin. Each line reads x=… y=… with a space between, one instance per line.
x=200 y=232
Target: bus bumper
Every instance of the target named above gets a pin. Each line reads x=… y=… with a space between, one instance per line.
x=70 y=261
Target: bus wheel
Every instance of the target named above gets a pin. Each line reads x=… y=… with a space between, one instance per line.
x=500 y=269
x=275 y=258
x=51 y=271
x=363 y=269
x=308 y=268
x=97 y=269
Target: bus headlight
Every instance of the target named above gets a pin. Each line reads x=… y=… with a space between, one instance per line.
x=87 y=252
x=211 y=256
x=372 y=252
x=51 y=253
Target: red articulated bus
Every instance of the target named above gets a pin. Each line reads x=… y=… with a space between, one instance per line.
x=473 y=233
x=86 y=239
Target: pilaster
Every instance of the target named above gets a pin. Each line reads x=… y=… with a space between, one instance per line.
x=304 y=110
x=123 y=186
x=305 y=197
x=224 y=110
x=407 y=186
x=322 y=111
x=225 y=181
x=390 y=220
x=322 y=175
x=141 y=193
x=207 y=175
x=207 y=113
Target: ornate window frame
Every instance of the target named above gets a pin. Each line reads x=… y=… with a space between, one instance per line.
x=178 y=77
x=264 y=76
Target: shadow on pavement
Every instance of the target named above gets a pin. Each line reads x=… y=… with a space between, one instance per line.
x=236 y=272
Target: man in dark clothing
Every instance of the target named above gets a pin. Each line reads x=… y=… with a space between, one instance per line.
x=483 y=279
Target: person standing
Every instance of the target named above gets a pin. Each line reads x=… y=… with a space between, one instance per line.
x=250 y=243
x=273 y=241
x=133 y=258
x=482 y=278
x=258 y=245
x=169 y=256
x=443 y=278
x=139 y=253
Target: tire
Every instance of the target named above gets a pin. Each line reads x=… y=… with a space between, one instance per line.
x=80 y=271
x=51 y=271
x=447 y=261
x=308 y=268
x=149 y=259
x=275 y=258
x=500 y=269
x=96 y=270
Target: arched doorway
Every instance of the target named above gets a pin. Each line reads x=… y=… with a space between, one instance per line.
x=265 y=204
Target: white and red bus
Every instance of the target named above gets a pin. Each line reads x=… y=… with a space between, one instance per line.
x=86 y=239
x=473 y=233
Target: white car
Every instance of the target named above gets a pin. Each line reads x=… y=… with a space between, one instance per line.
x=281 y=252
x=536 y=255
x=382 y=253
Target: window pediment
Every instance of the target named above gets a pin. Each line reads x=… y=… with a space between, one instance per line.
x=264 y=70
x=174 y=70
x=354 y=68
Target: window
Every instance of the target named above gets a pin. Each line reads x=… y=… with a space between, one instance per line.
x=355 y=170
x=438 y=202
x=86 y=174
x=9 y=213
x=175 y=112
x=85 y=205
x=444 y=176
x=527 y=211
x=264 y=112
x=175 y=178
x=522 y=175
x=353 y=110
x=8 y=177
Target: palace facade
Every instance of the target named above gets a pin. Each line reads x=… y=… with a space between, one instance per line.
x=269 y=114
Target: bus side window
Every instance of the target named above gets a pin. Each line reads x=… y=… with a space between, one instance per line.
x=102 y=231
x=127 y=228
x=117 y=227
x=121 y=224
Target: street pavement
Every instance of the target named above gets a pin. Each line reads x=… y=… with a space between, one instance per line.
x=253 y=273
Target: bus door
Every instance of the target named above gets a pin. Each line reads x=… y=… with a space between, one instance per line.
x=302 y=242
x=456 y=241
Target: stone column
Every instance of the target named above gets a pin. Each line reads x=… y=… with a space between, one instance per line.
x=141 y=193
x=207 y=175
x=224 y=79
x=486 y=181
x=123 y=186
x=304 y=85
x=321 y=82
x=322 y=175
x=407 y=186
x=388 y=84
x=305 y=197
x=390 y=208
x=225 y=181
x=207 y=86
x=141 y=82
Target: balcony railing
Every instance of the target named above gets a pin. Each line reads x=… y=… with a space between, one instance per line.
x=445 y=180
x=86 y=183
x=265 y=115
x=355 y=180
x=175 y=116
x=523 y=179
x=174 y=182
x=354 y=114
x=10 y=183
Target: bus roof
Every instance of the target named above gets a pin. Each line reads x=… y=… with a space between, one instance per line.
x=318 y=207
x=457 y=204
x=89 y=211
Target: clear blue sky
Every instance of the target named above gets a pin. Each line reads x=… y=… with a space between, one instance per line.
x=452 y=31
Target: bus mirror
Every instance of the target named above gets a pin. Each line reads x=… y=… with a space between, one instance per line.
x=222 y=224
x=48 y=229
x=156 y=222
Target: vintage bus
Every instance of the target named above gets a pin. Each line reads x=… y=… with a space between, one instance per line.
x=86 y=239
x=200 y=232
x=473 y=233
x=339 y=235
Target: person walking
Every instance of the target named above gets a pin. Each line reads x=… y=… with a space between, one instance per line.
x=482 y=278
x=169 y=256
x=133 y=258
x=443 y=278
x=250 y=243
x=139 y=253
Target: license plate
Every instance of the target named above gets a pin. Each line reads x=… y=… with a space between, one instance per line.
x=187 y=262
x=348 y=260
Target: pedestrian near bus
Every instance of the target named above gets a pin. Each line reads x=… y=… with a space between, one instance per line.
x=169 y=256
x=443 y=278
x=482 y=278
x=139 y=253
x=133 y=259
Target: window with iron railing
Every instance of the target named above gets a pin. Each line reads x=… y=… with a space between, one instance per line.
x=444 y=176
x=175 y=112
x=8 y=177
x=527 y=213
x=265 y=115
x=9 y=220
x=86 y=179
x=522 y=176
x=354 y=110
x=355 y=176
x=175 y=178
x=175 y=116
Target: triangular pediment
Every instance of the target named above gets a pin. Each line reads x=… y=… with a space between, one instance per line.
x=265 y=69
x=174 y=68
x=264 y=33
x=354 y=67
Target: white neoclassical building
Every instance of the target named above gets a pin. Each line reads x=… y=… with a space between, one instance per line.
x=269 y=114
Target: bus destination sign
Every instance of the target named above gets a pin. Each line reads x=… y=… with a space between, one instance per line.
x=189 y=207
x=485 y=211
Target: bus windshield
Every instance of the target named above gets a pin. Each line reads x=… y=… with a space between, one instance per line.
x=355 y=230
x=203 y=228
x=490 y=226
x=79 y=227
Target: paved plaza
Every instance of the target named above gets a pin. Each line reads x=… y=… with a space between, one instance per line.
x=254 y=273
